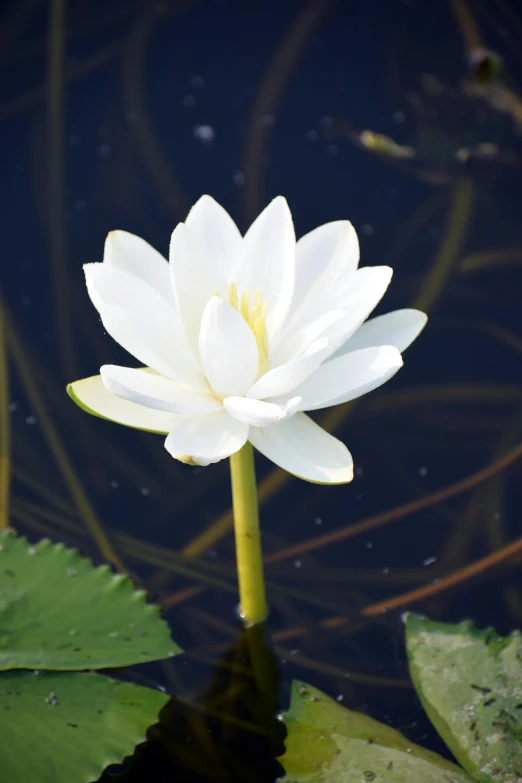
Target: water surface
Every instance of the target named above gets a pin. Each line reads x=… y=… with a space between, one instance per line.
x=154 y=104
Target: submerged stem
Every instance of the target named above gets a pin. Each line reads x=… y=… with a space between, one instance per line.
x=252 y=595
x=5 y=427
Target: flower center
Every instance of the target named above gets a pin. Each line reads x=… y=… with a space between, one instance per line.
x=255 y=316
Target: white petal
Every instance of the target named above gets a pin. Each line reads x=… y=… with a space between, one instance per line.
x=268 y=261
x=91 y=395
x=207 y=438
x=303 y=448
x=219 y=236
x=368 y=287
x=227 y=349
x=142 y=322
x=136 y=257
x=348 y=377
x=294 y=344
x=156 y=391
x=324 y=256
x=399 y=328
x=195 y=278
x=258 y=413
x=286 y=377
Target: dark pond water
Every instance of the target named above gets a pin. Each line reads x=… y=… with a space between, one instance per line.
x=245 y=100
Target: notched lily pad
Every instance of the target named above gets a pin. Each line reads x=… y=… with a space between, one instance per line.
x=470 y=683
x=57 y=611
x=328 y=743
x=63 y=727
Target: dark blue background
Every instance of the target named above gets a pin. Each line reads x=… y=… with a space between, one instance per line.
x=134 y=159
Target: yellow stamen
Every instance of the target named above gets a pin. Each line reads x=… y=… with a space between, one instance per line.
x=244 y=308
x=256 y=308
x=232 y=295
x=259 y=330
x=255 y=318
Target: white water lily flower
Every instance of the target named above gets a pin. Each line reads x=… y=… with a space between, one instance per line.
x=240 y=335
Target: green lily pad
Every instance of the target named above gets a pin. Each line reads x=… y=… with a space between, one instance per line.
x=470 y=683
x=62 y=727
x=328 y=743
x=59 y=612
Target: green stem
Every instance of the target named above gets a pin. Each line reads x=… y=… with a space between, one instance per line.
x=252 y=596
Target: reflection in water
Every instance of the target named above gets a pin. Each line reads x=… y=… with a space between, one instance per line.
x=349 y=111
x=229 y=733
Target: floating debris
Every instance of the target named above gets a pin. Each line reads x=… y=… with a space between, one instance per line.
x=204 y=133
